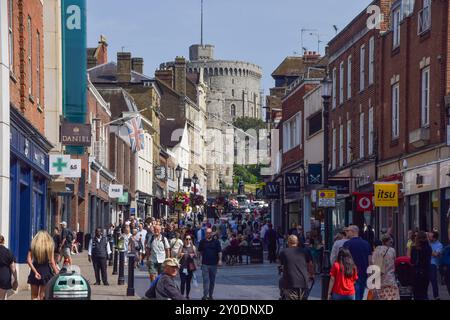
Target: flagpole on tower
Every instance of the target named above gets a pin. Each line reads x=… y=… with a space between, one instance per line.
x=201 y=30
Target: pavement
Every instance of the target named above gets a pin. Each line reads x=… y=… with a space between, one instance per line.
x=111 y=292
x=238 y=282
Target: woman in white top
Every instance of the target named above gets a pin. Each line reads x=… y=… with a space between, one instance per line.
x=175 y=245
x=384 y=257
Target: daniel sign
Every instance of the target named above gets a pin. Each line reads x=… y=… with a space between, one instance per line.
x=115 y=191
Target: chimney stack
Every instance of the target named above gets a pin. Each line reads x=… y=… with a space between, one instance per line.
x=137 y=65
x=165 y=75
x=102 y=51
x=180 y=76
x=124 y=67
x=91 y=62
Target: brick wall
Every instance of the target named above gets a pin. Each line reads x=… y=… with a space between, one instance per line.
x=404 y=65
x=31 y=105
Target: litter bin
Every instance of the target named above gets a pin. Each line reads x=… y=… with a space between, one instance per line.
x=87 y=238
x=80 y=240
x=256 y=252
x=68 y=286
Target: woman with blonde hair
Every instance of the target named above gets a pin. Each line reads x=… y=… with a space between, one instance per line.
x=42 y=264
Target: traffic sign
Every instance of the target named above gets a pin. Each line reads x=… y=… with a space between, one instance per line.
x=326 y=198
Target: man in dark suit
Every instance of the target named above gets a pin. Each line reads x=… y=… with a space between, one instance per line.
x=98 y=253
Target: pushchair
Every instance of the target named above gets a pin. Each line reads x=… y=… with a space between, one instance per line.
x=404 y=272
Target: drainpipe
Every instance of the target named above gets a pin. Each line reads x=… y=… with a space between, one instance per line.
x=4 y=122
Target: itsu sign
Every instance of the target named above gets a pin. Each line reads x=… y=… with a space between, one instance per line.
x=115 y=191
x=364 y=202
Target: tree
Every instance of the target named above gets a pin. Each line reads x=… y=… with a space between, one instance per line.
x=246 y=123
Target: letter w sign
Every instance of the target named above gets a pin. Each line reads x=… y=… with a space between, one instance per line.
x=292 y=182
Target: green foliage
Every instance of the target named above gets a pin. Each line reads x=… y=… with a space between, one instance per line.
x=247 y=123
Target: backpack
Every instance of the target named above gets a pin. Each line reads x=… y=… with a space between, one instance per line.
x=69 y=236
x=151 y=292
x=149 y=244
x=445 y=256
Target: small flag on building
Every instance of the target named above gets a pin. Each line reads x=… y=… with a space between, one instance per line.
x=136 y=133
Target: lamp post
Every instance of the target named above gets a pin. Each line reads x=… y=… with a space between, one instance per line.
x=195 y=181
x=326 y=85
x=179 y=171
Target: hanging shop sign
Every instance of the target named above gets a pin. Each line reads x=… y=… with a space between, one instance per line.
x=386 y=195
x=292 y=182
x=59 y=165
x=74 y=56
x=342 y=186
x=124 y=199
x=115 y=191
x=314 y=174
x=76 y=134
x=74 y=169
x=272 y=190
x=364 y=202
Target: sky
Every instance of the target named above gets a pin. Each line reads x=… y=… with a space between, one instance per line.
x=263 y=32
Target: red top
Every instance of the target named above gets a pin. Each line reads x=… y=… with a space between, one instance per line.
x=342 y=285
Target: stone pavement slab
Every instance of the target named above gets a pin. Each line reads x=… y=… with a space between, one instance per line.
x=111 y=292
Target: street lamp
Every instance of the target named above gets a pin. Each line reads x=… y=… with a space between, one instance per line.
x=178 y=172
x=195 y=181
x=326 y=86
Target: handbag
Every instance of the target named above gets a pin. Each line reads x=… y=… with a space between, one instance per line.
x=191 y=266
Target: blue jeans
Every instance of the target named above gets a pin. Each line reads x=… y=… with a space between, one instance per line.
x=360 y=287
x=336 y=296
x=434 y=280
x=209 y=279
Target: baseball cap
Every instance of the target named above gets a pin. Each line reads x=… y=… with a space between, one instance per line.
x=171 y=262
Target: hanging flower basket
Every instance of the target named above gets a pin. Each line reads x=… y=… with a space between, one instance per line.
x=180 y=200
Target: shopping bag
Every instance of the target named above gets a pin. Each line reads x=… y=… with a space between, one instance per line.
x=194 y=280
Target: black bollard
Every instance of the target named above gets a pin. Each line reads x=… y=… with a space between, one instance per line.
x=116 y=260
x=121 y=279
x=111 y=258
x=325 y=274
x=130 y=289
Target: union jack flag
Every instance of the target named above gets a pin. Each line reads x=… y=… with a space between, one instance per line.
x=136 y=134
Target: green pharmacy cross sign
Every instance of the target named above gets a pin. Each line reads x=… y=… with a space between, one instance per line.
x=74 y=44
x=59 y=165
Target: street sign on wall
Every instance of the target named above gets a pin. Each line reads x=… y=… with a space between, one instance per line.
x=326 y=198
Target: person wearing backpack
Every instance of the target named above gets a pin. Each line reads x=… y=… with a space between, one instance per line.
x=164 y=286
x=159 y=251
x=66 y=242
x=384 y=257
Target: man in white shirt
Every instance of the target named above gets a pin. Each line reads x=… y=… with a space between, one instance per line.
x=341 y=238
x=158 y=253
x=141 y=235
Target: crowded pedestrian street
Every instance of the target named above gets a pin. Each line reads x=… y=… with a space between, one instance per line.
x=184 y=153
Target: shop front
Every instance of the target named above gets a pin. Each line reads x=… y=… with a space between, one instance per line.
x=444 y=184
x=28 y=183
x=422 y=198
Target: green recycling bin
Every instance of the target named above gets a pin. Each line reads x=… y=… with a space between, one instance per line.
x=68 y=286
